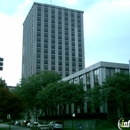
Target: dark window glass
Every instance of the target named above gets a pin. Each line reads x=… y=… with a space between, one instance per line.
x=110 y=71
x=38 y=61
x=60 y=62
x=60 y=57
x=67 y=63
x=96 y=77
x=53 y=67
x=45 y=61
x=53 y=56
x=124 y=71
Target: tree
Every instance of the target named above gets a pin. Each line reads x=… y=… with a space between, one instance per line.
x=61 y=93
x=28 y=88
x=95 y=97
x=2 y=83
x=116 y=90
x=10 y=104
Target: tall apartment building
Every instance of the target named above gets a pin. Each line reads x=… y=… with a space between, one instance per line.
x=53 y=39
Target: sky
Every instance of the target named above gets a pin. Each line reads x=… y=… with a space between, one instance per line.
x=106 y=32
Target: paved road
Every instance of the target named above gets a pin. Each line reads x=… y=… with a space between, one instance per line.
x=2 y=126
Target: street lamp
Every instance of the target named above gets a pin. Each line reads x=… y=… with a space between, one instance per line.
x=9 y=117
x=73 y=115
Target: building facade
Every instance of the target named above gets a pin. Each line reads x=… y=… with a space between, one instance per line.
x=53 y=39
x=91 y=76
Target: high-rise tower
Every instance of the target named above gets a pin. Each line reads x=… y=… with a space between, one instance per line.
x=53 y=39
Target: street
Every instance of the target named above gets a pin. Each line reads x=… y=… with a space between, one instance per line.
x=6 y=127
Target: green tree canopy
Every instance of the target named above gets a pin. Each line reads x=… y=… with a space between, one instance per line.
x=61 y=93
x=2 y=83
x=28 y=88
x=95 y=97
x=10 y=104
x=116 y=89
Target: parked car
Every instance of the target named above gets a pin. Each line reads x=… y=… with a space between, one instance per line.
x=25 y=122
x=56 y=125
x=29 y=124
x=18 y=123
x=43 y=126
x=34 y=125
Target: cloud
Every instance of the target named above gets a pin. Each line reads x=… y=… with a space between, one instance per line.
x=10 y=47
x=107 y=31
x=11 y=42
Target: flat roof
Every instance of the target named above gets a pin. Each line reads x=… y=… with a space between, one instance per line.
x=51 y=5
x=95 y=66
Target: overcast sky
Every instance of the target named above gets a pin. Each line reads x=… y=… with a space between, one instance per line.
x=106 y=32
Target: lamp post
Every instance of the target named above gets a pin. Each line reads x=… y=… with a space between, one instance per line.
x=73 y=115
x=9 y=117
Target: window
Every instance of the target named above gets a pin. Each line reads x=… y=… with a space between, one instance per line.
x=39 y=14
x=96 y=77
x=53 y=46
x=45 y=56
x=45 y=67
x=53 y=62
x=38 y=61
x=53 y=40
x=67 y=58
x=53 y=56
x=66 y=48
x=53 y=67
x=67 y=73
x=110 y=71
x=60 y=62
x=38 y=66
x=75 y=81
x=38 y=55
x=73 y=53
x=80 y=54
x=60 y=57
x=80 y=59
x=81 y=79
x=67 y=64
x=46 y=46
x=66 y=42
x=46 y=30
x=38 y=39
x=45 y=61
x=38 y=44
x=80 y=64
x=73 y=48
x=88 y=81
x=38 y=50
x=60 y=47
x=60 y=52
x=73 y=69
x=60 y=68
x=52 y=36
x=73 y=58
x=60 y=36
x=73 y=63
x=124 y=71
x=53 y=51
